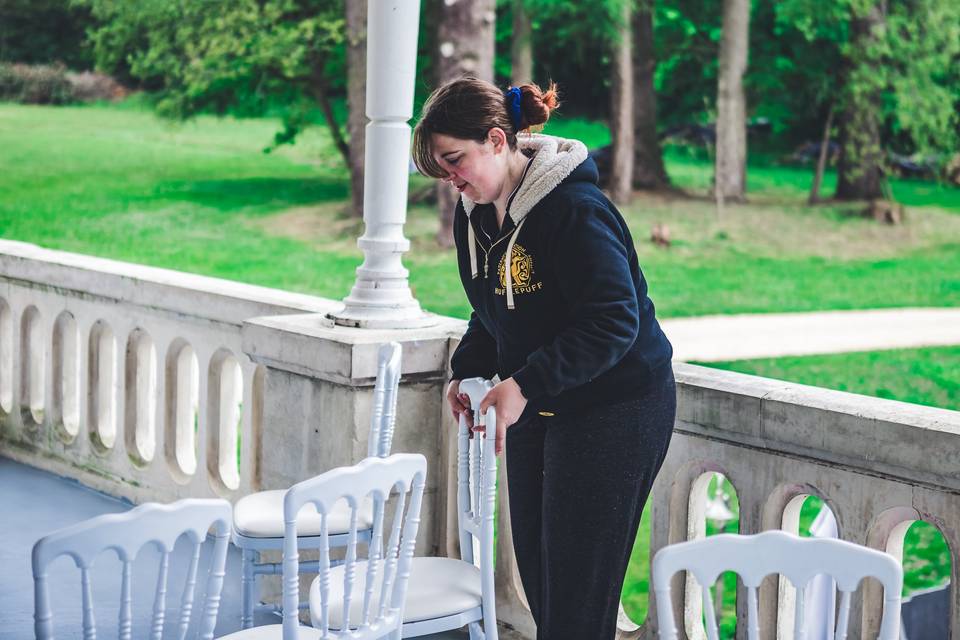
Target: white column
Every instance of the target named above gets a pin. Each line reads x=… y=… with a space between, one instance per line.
x=381 y=296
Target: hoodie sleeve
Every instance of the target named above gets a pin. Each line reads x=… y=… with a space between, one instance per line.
x=591 y=260
x=476 y=355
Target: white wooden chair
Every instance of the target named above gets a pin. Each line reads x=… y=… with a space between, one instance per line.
x=258 y=518
x=446 y=593
x=360 y=600
x=797 y=559
x=127 y=533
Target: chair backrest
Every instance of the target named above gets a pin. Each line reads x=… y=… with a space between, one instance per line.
x=127 y=533
x=387 y=566
x=777 y=552
x=384 y=416
x=477 y=489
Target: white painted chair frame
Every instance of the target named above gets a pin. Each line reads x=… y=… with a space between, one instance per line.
x=379 y=441
x=374 y=477
x=798 y=559
x=476 y=508
x=381 y=610
x=127 y=533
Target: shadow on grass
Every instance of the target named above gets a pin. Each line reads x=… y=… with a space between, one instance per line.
x=242 y=193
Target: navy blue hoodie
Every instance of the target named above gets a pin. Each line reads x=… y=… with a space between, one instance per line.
x=571 y=321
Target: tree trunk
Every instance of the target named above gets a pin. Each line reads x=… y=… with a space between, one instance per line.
x=648 y=169
x=357 y=97
x=466 y=37
x=521 y=47
x=730 y=173
x=821 y=160
x=860 y=168
x=316 y=84
x=621 y=110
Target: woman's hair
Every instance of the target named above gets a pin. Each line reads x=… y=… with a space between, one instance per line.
x=468 y=108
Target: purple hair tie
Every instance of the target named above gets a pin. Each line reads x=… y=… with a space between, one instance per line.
x=513 y=105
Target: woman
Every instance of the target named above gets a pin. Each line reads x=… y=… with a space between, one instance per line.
x=586 y=400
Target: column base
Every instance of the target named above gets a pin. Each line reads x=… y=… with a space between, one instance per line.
x=410 y=317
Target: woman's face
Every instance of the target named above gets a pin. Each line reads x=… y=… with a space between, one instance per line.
x=477 y=169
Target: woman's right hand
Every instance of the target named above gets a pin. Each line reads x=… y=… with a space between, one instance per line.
x=459 y=404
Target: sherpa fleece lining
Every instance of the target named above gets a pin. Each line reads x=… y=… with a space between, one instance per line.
x=555 y=158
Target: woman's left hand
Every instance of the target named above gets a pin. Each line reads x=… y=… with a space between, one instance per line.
x=509 y=403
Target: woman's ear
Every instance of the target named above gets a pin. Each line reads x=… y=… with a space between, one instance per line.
x=498 y=138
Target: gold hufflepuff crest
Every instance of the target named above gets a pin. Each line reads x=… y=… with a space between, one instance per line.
x=521 y=273
x=521 y=268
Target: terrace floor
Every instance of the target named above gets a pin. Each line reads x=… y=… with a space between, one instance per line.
x=36 y=503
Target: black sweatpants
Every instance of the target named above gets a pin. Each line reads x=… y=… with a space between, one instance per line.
x=578 y=484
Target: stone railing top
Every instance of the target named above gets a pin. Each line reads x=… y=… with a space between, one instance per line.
x=151 y=287
x=300 y=344
x=917 y=444
x=284 y=330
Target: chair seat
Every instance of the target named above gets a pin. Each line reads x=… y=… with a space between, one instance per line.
x=260 y=515
x=271 y=632
x=438 y=587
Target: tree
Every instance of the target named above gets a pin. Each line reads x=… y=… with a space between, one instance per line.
x=860 y=169
x=894 y=89
x=465 y=46
x=595 y=43
x=649 y=171
x=730 y=173
x=357 y=97
x=622 y=108
x=521 y=45
x=43 y=32
x=246 y=57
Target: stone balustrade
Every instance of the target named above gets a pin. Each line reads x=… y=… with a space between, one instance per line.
x=153 y=385
x=129 y=378
x=878 y=464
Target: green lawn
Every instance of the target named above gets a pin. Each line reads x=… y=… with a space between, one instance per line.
x=114 y=181
x=202 y=197
x=928 y=376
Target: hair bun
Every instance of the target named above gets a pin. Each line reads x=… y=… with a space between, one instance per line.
x=536 y=104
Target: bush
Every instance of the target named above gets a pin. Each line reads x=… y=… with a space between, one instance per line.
x=35 y=84
x=53 y=84
x=89 y=86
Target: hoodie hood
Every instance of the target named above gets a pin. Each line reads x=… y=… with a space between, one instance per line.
x=554 y=160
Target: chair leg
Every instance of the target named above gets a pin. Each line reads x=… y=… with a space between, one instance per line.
x=248 y=588
x=475 y=632
x=490 y=630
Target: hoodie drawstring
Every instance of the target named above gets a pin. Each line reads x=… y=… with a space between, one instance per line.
x=508 y=264
x=508 y=258
x=472 y=241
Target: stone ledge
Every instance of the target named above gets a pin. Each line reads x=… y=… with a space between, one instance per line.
x=918 y=444
x=76 y=275
x=311 y=345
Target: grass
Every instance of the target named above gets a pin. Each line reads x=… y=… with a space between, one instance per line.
x=202 y=197
x=114 y=181
x=929 y=376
